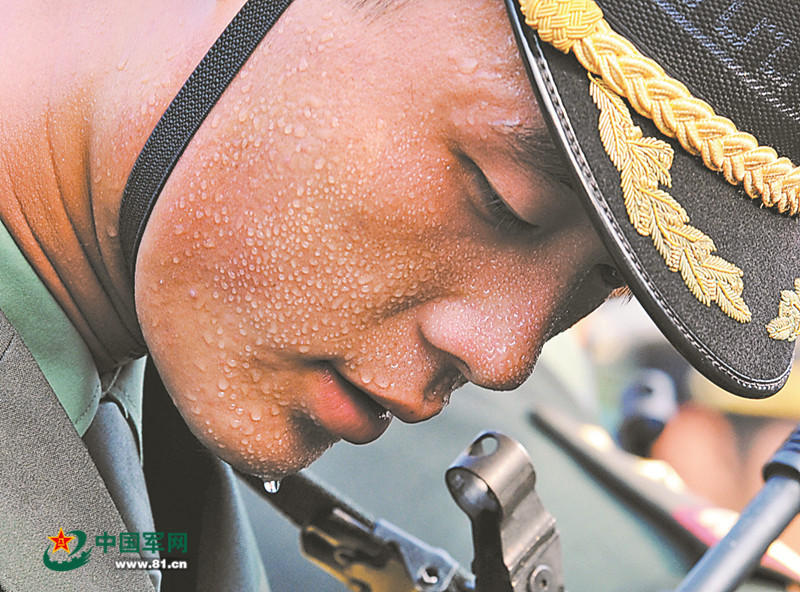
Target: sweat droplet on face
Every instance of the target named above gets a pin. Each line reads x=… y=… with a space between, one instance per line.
x=382 y=381
x=309 y=248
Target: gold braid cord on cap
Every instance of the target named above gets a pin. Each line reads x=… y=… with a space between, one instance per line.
x=643 y=164
x=578 y=26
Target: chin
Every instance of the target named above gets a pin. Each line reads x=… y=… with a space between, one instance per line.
x=272 y=458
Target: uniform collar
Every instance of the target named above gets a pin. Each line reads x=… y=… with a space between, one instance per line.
x=58 y=348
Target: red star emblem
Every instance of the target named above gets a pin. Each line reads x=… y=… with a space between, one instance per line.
x=61 y=541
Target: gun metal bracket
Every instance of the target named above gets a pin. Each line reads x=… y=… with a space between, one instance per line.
x=516 y=543
x=366 y=555
x=380 y=557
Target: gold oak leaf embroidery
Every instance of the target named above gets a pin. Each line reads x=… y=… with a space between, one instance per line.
x=644 y=164
x=786 y=326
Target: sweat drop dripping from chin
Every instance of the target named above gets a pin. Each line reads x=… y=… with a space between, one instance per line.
x=272 y=486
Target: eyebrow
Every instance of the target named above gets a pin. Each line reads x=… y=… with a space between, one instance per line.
x=534 y=146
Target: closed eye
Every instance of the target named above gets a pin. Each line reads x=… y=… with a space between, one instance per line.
x=496 y=208
x=504 y=216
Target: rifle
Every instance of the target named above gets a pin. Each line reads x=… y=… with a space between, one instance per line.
x=515 y=540
x=493 y=482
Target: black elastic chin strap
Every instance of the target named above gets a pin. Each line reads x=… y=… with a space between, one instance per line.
x=183 y=117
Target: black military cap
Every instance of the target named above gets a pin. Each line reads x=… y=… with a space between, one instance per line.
x=681 y=120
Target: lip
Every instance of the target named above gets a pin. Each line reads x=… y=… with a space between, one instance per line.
x=416 y=408
x=346 y=411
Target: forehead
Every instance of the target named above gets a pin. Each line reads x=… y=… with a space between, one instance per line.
x=470 y=43
x=467 y=63
x=348 y=80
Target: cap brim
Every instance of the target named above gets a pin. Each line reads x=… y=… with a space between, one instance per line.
x=738 y=356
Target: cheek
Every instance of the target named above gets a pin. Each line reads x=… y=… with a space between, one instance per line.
x=246 y=412
x=240 y=294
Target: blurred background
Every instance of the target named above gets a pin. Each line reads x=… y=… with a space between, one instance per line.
x=613 y=370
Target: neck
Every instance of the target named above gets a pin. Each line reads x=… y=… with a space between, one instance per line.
x=80 y=108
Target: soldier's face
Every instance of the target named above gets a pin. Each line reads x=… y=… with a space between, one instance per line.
x=331 y=252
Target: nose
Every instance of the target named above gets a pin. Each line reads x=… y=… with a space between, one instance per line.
x=495 y=338
x=493 y=343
